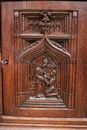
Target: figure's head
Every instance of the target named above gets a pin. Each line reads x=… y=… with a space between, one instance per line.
x=53 y=72
x=45 y=61
x=39 y=70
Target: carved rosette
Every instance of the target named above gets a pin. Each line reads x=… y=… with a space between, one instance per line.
x=45 y=57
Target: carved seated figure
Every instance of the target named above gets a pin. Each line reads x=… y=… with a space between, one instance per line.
x=40 y=82
x=51 y=89
x=45 y=81
x=39 y=79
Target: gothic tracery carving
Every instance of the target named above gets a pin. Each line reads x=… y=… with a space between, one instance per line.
x=45 y=23
x=45 y=54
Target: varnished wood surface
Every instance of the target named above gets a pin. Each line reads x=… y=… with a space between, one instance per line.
x=52 y=118
x=24 y=128
x=36 y=128
x=1 y=109
x=8 y=53
x=12 y=123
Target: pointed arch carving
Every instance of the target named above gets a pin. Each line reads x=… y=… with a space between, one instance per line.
x=44 y=45
x=45 y=59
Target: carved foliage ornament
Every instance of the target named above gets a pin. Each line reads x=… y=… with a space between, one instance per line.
x=45 y=23
x=47 y=55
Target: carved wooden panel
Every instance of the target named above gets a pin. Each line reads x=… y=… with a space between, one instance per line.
x=45 y=58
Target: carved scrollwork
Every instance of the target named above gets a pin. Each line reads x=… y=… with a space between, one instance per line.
x=31 y=45
x=58 y=45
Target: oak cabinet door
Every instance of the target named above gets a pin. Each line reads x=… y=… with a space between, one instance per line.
x=44 y=48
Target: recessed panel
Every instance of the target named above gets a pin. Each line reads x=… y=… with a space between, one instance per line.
x=45 y=59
